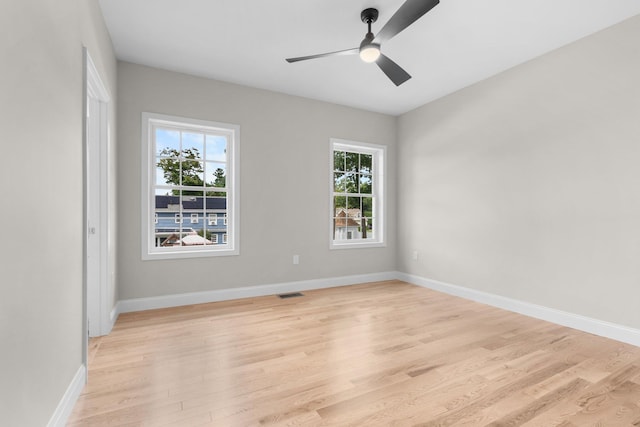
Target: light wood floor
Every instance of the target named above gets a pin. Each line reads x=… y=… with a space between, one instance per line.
x=375 y=354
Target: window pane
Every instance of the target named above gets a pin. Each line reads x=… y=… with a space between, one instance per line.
x=164 y=174
x=166 y=192
x=191 y=201
x=168 y=172
x=192 y=173
x=338 y=160
x=367 y=206
x=192 y=204
x=215 y=175
x=365 y=184
x=199 y=233
x=351 y=183
x=351 y=162
x=216 y=209
x=365 y=163
x=192 y=145
x=346 y=223
x=168 y=240
x=367 y=227
x=165 y=230
x=216 y=148
x=339 y=183
x=204 y=238
x=353 y=203
x=167 y=142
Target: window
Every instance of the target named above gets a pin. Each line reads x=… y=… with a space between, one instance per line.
x=357 y=195
x=224 y=238
x=190 y=168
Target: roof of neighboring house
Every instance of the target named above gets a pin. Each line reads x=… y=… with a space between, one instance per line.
x=353 y=212
x=191 y=202
x=344 y=218
x=194 y=240
x=191 y=239
x=346 y=222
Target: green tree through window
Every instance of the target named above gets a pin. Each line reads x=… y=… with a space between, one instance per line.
x=186 y=169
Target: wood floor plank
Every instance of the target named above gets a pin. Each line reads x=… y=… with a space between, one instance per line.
x=374 y=354
x=541 y=405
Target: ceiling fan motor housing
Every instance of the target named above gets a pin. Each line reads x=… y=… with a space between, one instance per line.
x=369 y=16
x=369 y=51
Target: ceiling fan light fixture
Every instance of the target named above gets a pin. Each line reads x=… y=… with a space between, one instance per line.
x=370 y=53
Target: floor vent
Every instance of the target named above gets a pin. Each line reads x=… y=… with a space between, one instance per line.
x=291 y=295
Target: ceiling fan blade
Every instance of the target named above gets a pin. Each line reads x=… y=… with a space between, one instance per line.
x=353 y=51
x=408 y=13
x=392 y=70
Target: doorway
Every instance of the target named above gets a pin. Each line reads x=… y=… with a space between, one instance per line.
x=97 y=267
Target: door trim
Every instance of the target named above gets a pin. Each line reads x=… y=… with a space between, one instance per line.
x=95 y=91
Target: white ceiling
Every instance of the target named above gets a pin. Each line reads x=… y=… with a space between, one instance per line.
x=456 y=44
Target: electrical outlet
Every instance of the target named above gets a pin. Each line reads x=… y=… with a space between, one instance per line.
x=414 y=255
x=296 y=259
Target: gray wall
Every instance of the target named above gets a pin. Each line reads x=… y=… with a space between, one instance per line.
x=284 y=200
x=526 y=185
x=41 y=295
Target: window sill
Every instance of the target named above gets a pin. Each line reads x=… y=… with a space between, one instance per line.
x=151 y=256
x=353 y=245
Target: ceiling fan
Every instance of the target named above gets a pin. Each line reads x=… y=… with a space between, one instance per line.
x=369 y=49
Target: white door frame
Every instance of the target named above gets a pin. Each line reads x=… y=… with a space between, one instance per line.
x=97 y=265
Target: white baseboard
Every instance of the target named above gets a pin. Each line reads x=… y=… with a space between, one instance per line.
x=68 y=401
x=165 y=301
x=594 y=326
x=587 y=324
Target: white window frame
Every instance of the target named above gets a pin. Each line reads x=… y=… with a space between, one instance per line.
x=148 y=167
x=214 y=238
x=194 y=218
x=212 y=219
x=177 y=218
x=378 y=191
